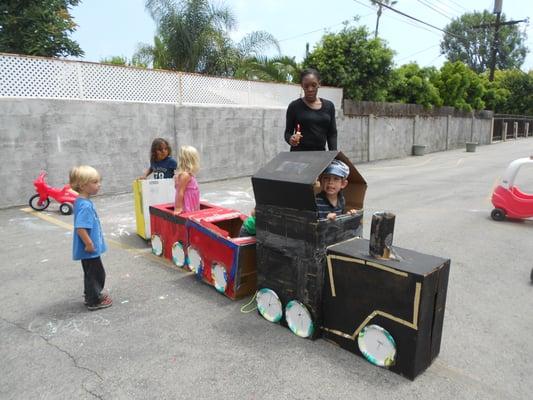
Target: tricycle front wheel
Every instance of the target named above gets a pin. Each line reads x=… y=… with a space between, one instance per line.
x=37 y=205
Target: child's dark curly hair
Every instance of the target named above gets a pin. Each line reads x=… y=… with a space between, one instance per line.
x=157 y=144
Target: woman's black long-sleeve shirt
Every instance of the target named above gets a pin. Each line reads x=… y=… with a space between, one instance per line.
x=317 y=127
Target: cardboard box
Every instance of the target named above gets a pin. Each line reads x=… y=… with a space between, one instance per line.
x=291 y=241
x=170 y=237
x=228 y=261
x=147 y=192
x=405 y=297
x=207 y=242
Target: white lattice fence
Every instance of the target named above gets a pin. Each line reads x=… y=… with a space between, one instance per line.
x=22 y=76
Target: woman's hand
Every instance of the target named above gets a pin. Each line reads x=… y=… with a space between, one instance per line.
x=178 y=211
x=295 y=139
x=332 y=216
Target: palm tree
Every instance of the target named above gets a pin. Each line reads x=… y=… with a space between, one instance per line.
x=193 y=36
x=276 y=69
x=380 y=10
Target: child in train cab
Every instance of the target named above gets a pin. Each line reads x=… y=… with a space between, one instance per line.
x=187 y=191
x=330 y=201
x=162 y=165
x=248 y=226
x=88 y=241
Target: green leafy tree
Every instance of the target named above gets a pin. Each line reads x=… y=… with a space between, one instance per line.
x=460 y=87
x=38 y=27
x=470 y=40
x=412 y=84
x=519 y=86
x=380 y=11
x=121 y=60
x=193 y=36
x=362 y=66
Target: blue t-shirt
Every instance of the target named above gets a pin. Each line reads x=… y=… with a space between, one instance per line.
x=164 y=169
x=85 y=217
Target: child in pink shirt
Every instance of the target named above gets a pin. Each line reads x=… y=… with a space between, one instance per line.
x=187 y=192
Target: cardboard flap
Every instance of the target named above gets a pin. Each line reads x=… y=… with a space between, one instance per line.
x=288 y=180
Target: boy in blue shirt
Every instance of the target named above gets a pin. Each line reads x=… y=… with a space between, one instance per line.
x=88 y=240
x=330 y=201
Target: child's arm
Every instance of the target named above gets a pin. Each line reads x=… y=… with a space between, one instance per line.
x=182 y=180
x=146 y=173
x=85 y=238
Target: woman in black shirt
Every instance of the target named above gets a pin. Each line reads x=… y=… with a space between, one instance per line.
x=311 y=119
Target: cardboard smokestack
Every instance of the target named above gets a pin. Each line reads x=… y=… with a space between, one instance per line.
x=381 y=233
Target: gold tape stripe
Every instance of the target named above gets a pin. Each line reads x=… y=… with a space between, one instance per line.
x=388 y=269
x=416 y=305
x=413 y=324
x=114 y=243
x=349 y=259
x=331 y=282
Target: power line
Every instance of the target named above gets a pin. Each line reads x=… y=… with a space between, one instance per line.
x=418 y=52
x=318 y=30
x=434 y=9
x=417 y=20
x=456 y=8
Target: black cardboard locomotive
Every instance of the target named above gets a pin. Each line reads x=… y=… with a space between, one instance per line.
x=405 y=297
x=291 y=241
x=318 y=277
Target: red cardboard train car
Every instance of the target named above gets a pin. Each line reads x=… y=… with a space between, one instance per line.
x=207 y=242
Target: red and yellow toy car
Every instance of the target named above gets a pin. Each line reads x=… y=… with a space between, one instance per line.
x=508 y=200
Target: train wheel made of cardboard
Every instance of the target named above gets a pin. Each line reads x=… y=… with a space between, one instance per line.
x=194 y=261
x=157 y=245
x=299 y=319
x=178 y=254
x=219 y=276
x=377 y=345
x=269 y=305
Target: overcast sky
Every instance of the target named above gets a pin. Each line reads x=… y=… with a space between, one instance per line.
x=115 y=27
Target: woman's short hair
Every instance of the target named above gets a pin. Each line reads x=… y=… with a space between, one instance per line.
x=309 y=71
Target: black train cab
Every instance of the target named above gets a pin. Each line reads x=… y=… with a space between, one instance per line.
x=292 y=241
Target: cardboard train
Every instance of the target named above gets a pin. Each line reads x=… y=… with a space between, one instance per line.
x=314 y=276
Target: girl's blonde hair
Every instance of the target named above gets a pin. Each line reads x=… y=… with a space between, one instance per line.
x=189 y=160
x=82 y=175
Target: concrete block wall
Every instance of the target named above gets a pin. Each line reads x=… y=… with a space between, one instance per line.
x=115 y=137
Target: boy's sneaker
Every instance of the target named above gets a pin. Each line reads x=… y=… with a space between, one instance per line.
x=104 y=303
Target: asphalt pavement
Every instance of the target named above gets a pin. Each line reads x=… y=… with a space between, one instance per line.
x=169 y=336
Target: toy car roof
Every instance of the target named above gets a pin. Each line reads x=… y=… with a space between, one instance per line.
x=288 y=180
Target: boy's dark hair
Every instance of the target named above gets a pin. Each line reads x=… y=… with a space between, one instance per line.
x=309 y=71
x=156 y=144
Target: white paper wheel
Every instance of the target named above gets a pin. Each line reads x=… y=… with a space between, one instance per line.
x=269 y=305
x=220 y=278
x=299 y=319
x=194 y=261
x=377 y=345
x=178 y=255
x=157 y=245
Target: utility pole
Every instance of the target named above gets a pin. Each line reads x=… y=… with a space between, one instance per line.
x=495 y=41
x=498 y=11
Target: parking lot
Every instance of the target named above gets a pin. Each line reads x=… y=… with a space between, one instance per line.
x=169 y=336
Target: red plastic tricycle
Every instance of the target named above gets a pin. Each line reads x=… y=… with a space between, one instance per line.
x=508 y=200
x=40 y=201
